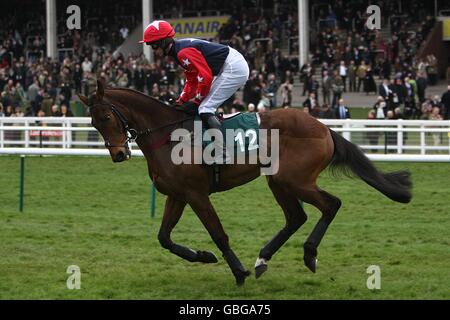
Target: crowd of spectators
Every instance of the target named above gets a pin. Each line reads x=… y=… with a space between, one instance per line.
x=348 y=56
x=351 y=58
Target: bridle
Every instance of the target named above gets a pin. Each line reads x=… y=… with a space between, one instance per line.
x=131 y=133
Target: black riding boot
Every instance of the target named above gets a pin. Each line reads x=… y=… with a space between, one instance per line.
x=213 y=122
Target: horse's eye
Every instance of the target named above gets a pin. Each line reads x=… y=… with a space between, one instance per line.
x=108 y=117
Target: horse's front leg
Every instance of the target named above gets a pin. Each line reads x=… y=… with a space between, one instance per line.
x=172 y=213
x=205 y=211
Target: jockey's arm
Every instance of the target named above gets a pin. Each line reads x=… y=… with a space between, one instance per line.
x=198 y=75
x=190 y=87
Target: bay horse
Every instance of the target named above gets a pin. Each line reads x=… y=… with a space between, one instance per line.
x=306 y=148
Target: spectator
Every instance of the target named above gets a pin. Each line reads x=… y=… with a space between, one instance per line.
x=399 y=115
x=352 y=76
x=436 y=102
x=155 y=91
x=55 y=111
x=66 y=93
x=47 y=102
x=435 y=115
x=33 y=91
x=445 y=100
x=398 y=96
x=77 y=78
x=311 y=102
x=343 y=74
x=422 y=67
x=410 y=103
x=261 y=108
x=341 y=111
x=286 y=94
x=326 y=112
x=86 y=66
x=18 y=112
x=369 y=81
x=65 y=111
x=385 y=91
x=20 y=93
x=139 y=78
x=327 y=83
x=421 y=86
x=121 y=79
x=9 y=111
x=337 y=87
x=237 y=106
x=305 y=73
x=264 y=103
x=361 y=73
x=272 y=89
x=432 y=69
x=380 y=108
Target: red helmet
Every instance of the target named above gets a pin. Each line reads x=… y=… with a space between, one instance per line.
x=158 y=30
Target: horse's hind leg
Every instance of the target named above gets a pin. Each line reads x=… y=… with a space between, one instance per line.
x=205 y=211
x=329 y=206
x=172 y=213
x=295 y=218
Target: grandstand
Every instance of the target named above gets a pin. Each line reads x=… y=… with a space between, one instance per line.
x=266 y=32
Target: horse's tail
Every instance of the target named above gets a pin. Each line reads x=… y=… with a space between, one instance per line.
x=395 y=185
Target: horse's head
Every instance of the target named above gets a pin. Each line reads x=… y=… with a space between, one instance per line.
x=110 y=122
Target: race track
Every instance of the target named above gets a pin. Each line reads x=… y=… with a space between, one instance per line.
x=89 y=212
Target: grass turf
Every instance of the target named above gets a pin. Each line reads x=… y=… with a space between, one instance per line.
x=89 y=212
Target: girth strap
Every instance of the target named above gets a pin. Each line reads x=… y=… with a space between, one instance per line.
x=215 y=183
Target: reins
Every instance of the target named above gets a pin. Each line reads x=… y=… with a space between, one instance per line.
x=153 y=130
x=133 y=134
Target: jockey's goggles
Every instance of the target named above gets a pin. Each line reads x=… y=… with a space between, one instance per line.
x=162 y=43
x=155 y=45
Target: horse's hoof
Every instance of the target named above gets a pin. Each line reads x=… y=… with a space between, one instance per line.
x=310 y=262
x=260 y=267
x=259 y=270
x=240 y=277
x=206 y=257
x=310 y=256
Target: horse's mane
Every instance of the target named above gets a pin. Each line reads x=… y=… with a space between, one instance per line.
x=135 y=92
x=157 y=103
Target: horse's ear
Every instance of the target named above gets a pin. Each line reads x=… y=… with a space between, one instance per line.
x=83 y=99
x=100 y=90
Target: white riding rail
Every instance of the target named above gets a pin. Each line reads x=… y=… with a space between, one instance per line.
x=382 y=140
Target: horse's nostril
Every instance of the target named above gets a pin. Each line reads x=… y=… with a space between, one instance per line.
x=120 y=156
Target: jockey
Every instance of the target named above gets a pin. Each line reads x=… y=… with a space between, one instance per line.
x=214 y=72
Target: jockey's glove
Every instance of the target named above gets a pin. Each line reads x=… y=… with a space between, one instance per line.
x=189 y=107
